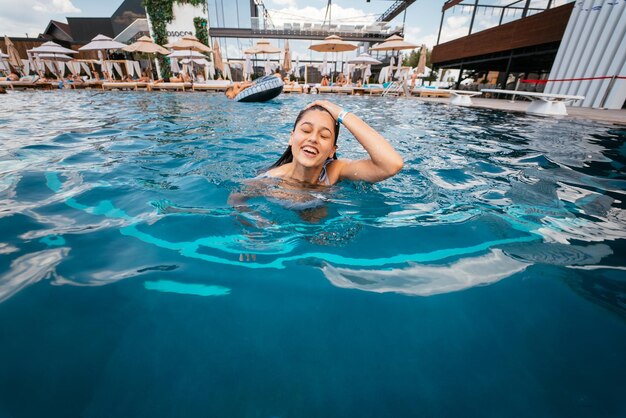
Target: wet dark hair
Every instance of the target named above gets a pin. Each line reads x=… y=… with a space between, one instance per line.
x=287 y=156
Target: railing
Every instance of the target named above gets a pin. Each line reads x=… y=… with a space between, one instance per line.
x=523 y=8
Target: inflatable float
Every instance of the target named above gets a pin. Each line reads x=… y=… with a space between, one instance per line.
x=264 y=89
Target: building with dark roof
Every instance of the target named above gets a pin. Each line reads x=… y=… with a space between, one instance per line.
x=81 y=30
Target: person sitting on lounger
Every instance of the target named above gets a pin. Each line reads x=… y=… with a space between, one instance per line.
x=325 y=81
x=341 y=80
x=12 y=77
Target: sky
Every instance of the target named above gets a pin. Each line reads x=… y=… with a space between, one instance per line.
x=33 y=16
x=422 y=18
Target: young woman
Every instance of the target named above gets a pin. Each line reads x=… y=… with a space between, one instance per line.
x=311 y=159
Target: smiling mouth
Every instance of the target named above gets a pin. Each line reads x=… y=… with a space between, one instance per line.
x=310 y=151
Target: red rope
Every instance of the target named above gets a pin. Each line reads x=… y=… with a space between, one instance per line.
x=573 y=79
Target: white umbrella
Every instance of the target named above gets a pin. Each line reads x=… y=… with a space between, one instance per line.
x=325 y=65
x=333 y=43
x=102 y=43
x=52 y=48
x=3 y=56
x=146 y=45
x=263 y=46
x=189 y=54
x=55 y=61
x=55 y=57
x=367 y=73
x=365 y=59
x=199 y=61
x=267 y=68
x=247 y=68
x=296 y=69
x=393 y=43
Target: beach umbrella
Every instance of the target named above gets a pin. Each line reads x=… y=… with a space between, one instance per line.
x=367 y=74
x=287 y=60
x=186 y=54
x=190 y=43
x=364 y=59
x=248 y=69
x=145 y=45
x=325 y=65
x=263 y=46
x=393 y=43
x=188 y=46
x=50 y=51
x=3 y=57
x=55 y=62
x=333 y=43
x=217 y=57
x=296 y=69
x=14 y=57
x=52 y=48
x=267 y=69
x=102 y=43
x=421 y=64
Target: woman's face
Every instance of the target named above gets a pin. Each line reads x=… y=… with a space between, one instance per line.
x=313 y=140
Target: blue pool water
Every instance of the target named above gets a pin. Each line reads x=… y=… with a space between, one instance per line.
x=487 y=279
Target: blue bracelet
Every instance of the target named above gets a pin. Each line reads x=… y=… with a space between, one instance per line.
x=342 y=115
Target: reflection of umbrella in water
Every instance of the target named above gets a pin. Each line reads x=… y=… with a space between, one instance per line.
x=333 y=43
x=14 y=56
x=145 y=45
x=393 y=43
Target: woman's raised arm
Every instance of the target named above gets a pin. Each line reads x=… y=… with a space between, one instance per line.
x=384 y=160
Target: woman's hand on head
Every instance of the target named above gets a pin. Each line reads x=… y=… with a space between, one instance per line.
x=334 y=109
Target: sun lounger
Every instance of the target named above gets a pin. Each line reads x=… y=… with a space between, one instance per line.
x=212 y=85
x=169 y=86
x=119 y=85
x=90 y=84
x=46 y=85
x=457 y=97
x=293 y=89
x=542 y=104
x=425 y=92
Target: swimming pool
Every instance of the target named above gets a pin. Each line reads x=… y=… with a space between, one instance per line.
x=486 y=279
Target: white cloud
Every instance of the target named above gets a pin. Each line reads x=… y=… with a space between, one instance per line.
x=56 y=6
x=340 y=15
x=288 y=3
x=32 y=16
